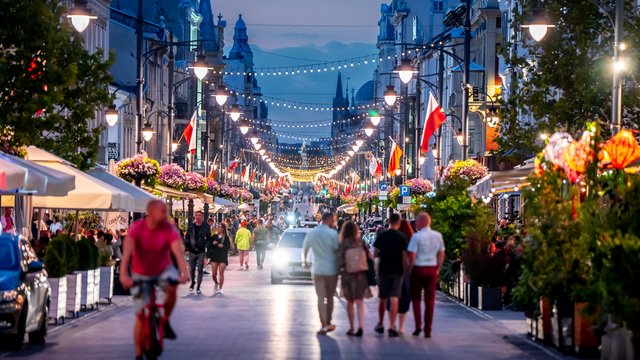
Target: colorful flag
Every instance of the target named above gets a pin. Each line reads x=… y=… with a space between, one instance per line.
x=233 y=164
x=253 y=175
x=375 y=167
x=190 y=133
x=394 y=159
x=246 y=172
x=435 y=117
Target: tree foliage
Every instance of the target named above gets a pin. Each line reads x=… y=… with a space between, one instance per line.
x=50 y=86
x=565 y=80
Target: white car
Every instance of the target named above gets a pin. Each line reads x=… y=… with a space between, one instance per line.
x=286 y=258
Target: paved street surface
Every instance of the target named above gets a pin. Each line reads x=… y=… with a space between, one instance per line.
x=257 y=320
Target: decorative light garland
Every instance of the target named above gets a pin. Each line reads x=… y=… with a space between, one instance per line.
x=315 y=124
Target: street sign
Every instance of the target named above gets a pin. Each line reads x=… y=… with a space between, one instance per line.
x=405 y=190
x=382 y=197
x=383 y=186
x=113 y=152
x=383 y=192
x=403 y=207
x=406 y=199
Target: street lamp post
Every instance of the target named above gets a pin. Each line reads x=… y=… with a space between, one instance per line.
x=139 y=80
x=616 y=95
x=465 y=81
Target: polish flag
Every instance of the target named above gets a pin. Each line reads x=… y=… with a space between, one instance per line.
x=435 y=117
x=245 y=173
x=394 y=159
x=264 y=181
x=212 y=173
x=375 y=167
x=190 y=133
x=253 y=175
x=233 y=165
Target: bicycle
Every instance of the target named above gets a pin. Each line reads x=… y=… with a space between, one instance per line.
x=153 y=321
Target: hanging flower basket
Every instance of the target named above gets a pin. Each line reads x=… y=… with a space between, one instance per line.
x=213 y=187
x=139 y=169
x=468 y=170
x=173 y=176
x=420 y=186
x=195 y=182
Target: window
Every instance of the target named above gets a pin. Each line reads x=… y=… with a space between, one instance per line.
x=438 y=5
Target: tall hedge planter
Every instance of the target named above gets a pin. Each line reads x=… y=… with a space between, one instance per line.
x=96 y=286
x=489 y=298
x=585 y=340
x=74 y=290
x=106 y=283
x=87 y=293
x=58 y=298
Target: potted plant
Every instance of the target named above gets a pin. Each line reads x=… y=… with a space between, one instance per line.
x=485 y=270
x=139 y=169
x=74 y=278
x=56 y=265
x=87 y=263
x=106 y=271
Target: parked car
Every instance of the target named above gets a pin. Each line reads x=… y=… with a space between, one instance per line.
x=286 y=258
x=24 y=293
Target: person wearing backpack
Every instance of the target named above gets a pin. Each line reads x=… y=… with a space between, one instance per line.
x=353 y=254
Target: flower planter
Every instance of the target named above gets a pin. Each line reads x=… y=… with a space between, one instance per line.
x=87 y=292
x=544 y=322
x=561 y=329
x=585 y=340
x=617 y=343
x=471 y=295
x=74 y=289
x=96 y=286
x=58 y=298
x=106 y=283
x=489 y=298
x=532 y=327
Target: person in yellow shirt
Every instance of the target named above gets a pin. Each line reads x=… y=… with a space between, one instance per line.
x=244 y=244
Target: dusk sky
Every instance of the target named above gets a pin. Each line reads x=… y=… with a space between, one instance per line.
x=295 y=32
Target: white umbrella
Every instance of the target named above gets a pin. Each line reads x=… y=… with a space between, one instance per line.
x=140 y=197
x=12 y=177
x=245 y=206
x=37 y=178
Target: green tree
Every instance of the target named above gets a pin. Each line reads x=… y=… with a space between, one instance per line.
x=565 y=80
x=50 y=86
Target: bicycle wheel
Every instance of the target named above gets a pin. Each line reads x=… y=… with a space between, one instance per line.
x=155 y=343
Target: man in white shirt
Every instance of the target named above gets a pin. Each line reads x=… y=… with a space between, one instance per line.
x=426 y=255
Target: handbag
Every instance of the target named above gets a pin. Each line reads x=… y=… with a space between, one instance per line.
x=371 y=271
x=355 y=260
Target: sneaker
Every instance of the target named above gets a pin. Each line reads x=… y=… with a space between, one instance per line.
x=198 y=291
x=416 y=332
x=191 y=288
x=215 y=289
x=168 y=332
x=379 y=328
x=393 y=333
x=359 y=332
x=331 y=327
x=247 y=266
x=220 y=292
x=323 y=331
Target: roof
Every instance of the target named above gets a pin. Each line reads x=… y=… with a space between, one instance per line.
x=366 y=92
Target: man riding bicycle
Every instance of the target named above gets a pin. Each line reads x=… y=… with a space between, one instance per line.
x=148 y=247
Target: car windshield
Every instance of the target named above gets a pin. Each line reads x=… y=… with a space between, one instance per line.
x=292 y=240
x=8 y=256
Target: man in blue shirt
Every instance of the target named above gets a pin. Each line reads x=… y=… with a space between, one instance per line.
x=323 y=240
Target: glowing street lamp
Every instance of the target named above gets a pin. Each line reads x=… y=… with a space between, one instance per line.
x=405 y=71
x=200 y=67
x=262 y=151
x=244 y=127
x=390 y=95
x=359 y=141
x=368 y=130
x=375 y=117
x=147 y=132
x=235 y=112
x=221 y=95
x=538 y=24
x=254 y=137
x=80 y=15
x=257 y=146
x=174 y=146
x=111 y=115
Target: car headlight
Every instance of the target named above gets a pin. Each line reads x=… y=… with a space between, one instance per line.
x=9 y=295
x=279 y=259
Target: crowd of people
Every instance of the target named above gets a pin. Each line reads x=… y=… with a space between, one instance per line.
x=404 y=265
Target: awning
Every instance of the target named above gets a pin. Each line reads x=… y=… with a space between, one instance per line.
x=139 y=197
x=473 y=67
x=89 y=193
x=37 y=178
x=245 y=206
x=226 y=203
x=198 y=204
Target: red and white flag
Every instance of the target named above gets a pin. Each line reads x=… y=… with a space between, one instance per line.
x=435 y=117
x=190 y=132
x=245 y=173
x=253 y=175
x=375 y=167
x=233 y=164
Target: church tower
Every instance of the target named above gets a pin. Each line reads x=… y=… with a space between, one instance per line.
x=340 y=109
